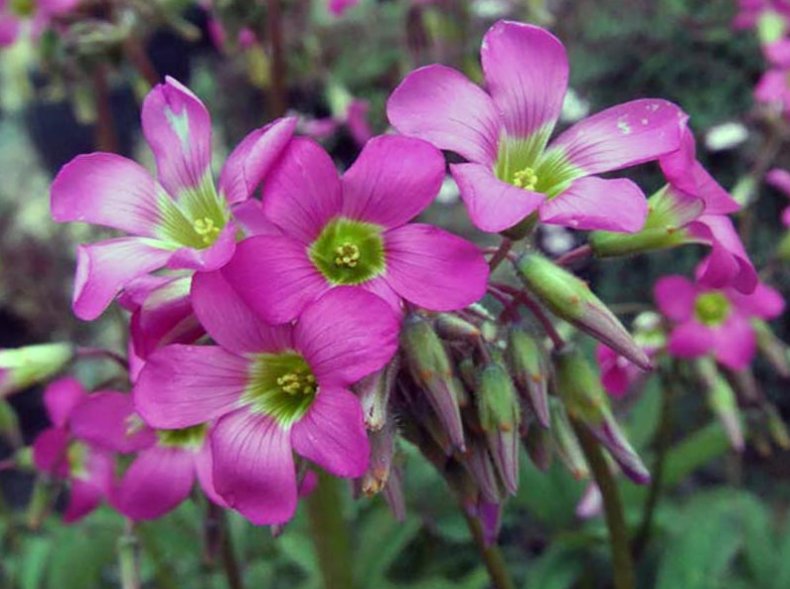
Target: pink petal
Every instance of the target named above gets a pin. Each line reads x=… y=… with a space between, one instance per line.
x=109 y=190
x=230 y=322
x=493 y=205
x=204 y=467
x=772 y=86
x=779 y=179
x=675 y=296
x=107 y=420
x=622 y=136
x=61 y=397
x=594 y=203
x=87 y=493
x=302 y=192
x=178 y=128
x=275 y=277
x=49 y=451
x=207 y=259
x=346 y=334
x=765 y=302
x=433 y=268
x=381 y=288
x=253 y=467
x=691 y=340
x=728 y=263
x=357 y=121
x=252 y=159
x=332 y=434
x=440 y=105
x=393 y=180
x=249 y=216
x=778 y=53
x=735 y=343
x=526 y=71
x=9 y=29
x=182 y=386
x=156 y=482
x=54 y=7
x=104 y=268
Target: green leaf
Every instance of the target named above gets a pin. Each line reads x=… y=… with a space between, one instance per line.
x=558 y=568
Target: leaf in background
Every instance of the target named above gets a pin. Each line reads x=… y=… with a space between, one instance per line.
x=380 y=541
x=557 y=568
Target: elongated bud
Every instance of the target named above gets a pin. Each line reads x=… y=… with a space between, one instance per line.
x=453 y=327
x=382 y=450
x=430 y=367
x=29 y=365
x=774 y=349
x=783 y=249
x=537 y=442
x=722 y=401
x=580 y=389
x=393 y=494
x=571 y=299
x=468 y=371
x=480 y=465
x=9 y=424
x=527 y=362
x=565 y=441
x=490 y=516
x=374 y=394
x=668 y=213
x=777 y=427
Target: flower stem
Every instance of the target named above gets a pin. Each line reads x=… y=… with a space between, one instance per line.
x=492 y=557
x=580 y=253
x=127 y=558
x=500 y=254
x=106 y=136
x=279 y=99
x=84 y=352
x=229 y=562
x=623 y=565
x=330 y=534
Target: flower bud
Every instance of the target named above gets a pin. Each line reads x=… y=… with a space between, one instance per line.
x=527 y=362
x=565 y=440
x=489 y=513
x=382 y=449
x=777 y=427
x=452 y=327
x=537 y=443
x=774 y=349
x=393 y=494
x=722 y=401
x=580 y=389
x=9 y=424
x=571 y=299
x=374 y=393
x=29 y=365
x=591 y=503
x=480 y=465
x=429 y=365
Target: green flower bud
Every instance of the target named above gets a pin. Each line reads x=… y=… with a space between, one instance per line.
x=774 y=349
x=452 y=327
x=537 y=444
x=23 y=367
x=374 y=392
x=9 y=424
x=565 y=441
x=527 y=362
x=777 y=427
x=571 y=299
x=722 y=400
x=382 y=450
x=497 y=403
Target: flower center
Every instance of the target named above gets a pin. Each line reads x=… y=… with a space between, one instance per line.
x=526 y=179
x=23 y=7
x=188 y=437
x=206 y=229
x=711 y=308
x=282 y=386
x=348 y=251
x=195 y=217
x=77 y=459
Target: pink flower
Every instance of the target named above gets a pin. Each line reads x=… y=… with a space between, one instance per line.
x=71 y=449
x=780 y=179
x=617 y=373
x=355 y=119
x=353 y=231
x=773 y=89
x=714 y=321
x=271 y=390
x=338 y=7
x=178 y=221
x=40 y=13
x=512 y=170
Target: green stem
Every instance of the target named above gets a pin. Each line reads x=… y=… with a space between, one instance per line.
x=623 y=565
x=229 y=562
x=127 y=558
x=492 y=557
x=330 y=533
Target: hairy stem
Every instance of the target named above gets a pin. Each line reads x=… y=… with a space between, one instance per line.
x=622 y=562
x=492 y=557
x=330 y=533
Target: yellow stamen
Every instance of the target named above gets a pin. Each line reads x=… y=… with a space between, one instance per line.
x=347 y=255
x=526 y=179
x=294 y=383
x=206 y=229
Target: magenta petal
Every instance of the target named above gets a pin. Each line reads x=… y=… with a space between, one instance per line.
x=178 y=128
x=106 y=189
x=211 y=258
x=381 y=288
x=84 y=497
x=526 y=71
x=61 y=397
x=247 y=165
x=392 y=180
x=302 y=192
x=493 y=205
x=728 y=263
x=433 y=268
x=107 y=420
x=181 y=386
x=250 y=217
x=156 y=482
x=254 y=468
x=596 y=204
x=691 y=340
x=204 y=468
x=332 y=434
x=275 y=277
x=675 y=296
x=735 y=343
x=230 y=322
x=440 y=105
x=765 y=302
x=622 y=136
x=346 y=334
x=49 y=451
x=9 y=29
x=779 y=179
x=104 y=268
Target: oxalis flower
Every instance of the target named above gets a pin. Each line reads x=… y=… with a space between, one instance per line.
x=273 y=390
x=353 y=231
x=14 y=14
x=714 y=322
x=512 y=169
x=180 y=220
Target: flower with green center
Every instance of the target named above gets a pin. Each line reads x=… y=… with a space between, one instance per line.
x=271 y=390
x=354 y=231
x=716 y=322
x=512 y=169
x=181 y=219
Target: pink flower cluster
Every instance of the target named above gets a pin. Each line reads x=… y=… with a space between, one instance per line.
x=14 y=21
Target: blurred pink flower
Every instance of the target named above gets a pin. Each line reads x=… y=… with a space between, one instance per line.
x=781 y=179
